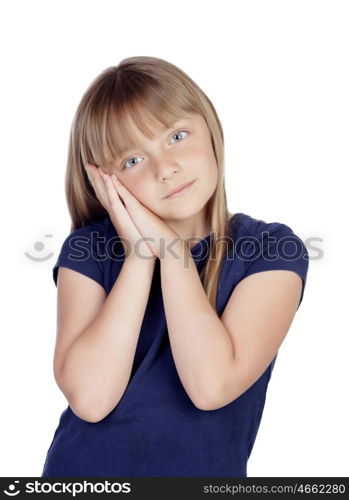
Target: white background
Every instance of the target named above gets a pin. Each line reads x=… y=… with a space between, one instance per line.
x=277 y=73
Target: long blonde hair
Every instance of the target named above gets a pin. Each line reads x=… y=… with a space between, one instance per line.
x=166 y=93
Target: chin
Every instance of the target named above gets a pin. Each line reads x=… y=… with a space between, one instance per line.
x=182 y=213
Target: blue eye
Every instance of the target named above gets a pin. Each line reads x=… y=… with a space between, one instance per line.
x=179 y=132
x=136 y=157
x=133 y=157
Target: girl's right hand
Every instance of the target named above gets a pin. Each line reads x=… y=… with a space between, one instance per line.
x=109 y=198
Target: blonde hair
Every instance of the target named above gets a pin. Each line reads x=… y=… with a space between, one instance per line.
x=135 y=85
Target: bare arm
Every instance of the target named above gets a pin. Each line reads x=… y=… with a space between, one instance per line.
x=218 y=359
x=200 y=343
x=98 y=364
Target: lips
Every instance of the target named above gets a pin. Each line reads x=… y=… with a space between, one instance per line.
x=179 y=189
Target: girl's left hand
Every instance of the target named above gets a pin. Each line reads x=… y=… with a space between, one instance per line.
x=155 y=231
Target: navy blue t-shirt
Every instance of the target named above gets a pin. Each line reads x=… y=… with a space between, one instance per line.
x=155 y=429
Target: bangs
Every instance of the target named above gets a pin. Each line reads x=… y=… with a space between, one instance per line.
x=110 y=134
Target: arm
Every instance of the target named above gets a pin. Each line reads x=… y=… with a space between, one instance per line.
x=98 y=364
x=201 y=346
x=218 y=359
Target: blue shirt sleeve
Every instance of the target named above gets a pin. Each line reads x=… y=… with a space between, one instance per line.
x=83 y=251
x=274 y=246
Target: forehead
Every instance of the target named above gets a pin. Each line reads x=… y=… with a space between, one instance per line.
x=149 y=125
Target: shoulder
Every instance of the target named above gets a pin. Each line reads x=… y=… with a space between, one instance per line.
x=93 y=227
x=98 y=232
x=252 y=236
x=257 y=245
x=242 y=225
x=83 y=250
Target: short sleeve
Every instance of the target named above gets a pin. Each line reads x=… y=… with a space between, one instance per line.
x=274 y=246
x=83 y=251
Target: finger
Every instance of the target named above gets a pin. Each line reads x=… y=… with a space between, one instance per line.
x=112 y=193
x=90 y=171
x=125 y=194
x=97 y=184
x=120 y=190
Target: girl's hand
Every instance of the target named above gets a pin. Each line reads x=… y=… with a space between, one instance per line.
x=158 y=235
x=106 y=192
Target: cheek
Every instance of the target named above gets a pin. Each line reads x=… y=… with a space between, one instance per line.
x=210 y=175
x=207 y=167
x=140 y=190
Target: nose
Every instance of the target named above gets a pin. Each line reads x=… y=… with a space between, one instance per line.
x=165 y=167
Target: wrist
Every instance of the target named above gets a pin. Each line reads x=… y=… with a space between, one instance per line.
x=177 y=250
x=143 y=261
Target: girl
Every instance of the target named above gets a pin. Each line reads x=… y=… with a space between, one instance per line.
x=168 y=325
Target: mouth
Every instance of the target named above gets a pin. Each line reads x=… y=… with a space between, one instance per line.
x=180 y=190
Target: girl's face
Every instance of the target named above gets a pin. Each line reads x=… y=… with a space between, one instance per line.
x=175 y=157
